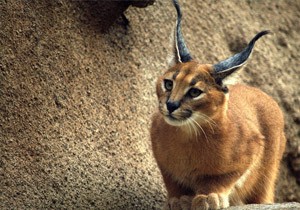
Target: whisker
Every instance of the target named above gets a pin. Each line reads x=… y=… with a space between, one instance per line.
x=200 y=128
x=208 y=122
x=207 y=119
x=195 y=129
x=190 y=126
x=211 y=120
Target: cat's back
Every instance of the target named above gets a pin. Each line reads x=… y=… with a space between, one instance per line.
x=253 y=105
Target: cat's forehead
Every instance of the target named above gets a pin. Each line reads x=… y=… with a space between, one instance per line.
x=190 y=72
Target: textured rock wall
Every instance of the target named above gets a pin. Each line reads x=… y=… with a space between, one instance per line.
x=76 y=104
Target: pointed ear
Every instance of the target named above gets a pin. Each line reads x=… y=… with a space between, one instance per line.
x=181 y=53
x=230 y=65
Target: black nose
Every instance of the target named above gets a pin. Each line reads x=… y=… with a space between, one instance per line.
x=173 y=105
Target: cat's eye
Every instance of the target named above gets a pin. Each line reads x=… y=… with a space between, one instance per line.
x=168 y=84
x=194 y=92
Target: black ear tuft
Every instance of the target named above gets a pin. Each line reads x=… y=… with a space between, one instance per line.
x=181 y=51
x=230 y=65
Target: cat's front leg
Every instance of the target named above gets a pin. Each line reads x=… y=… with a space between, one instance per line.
x=211 y=201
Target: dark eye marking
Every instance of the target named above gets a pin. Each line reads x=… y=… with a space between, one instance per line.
x=200 y=77
x=168 y=84
x=175 y=74
x=193 y=82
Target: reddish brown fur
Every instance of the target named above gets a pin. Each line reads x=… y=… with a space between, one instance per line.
x=243 y=133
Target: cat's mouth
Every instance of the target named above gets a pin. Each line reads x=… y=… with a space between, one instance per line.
x=171 y=117
x=171 y=120
x=178 y=120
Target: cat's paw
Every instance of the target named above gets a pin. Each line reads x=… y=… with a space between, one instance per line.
x=210 y=202
x=184 y=203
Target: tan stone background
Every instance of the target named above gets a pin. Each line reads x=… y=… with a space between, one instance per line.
x=76 y=103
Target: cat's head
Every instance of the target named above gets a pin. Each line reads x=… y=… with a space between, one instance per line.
x=193 y=92
x=188 y=92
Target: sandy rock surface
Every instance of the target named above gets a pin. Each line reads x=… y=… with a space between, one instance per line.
x=276 y=206
x=76 y=104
